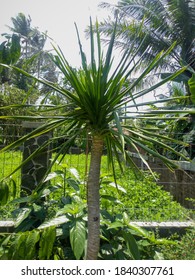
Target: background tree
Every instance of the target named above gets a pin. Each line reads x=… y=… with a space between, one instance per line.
x=34 y=58
x=159 y=23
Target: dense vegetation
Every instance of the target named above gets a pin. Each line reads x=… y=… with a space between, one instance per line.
x=58 y=214
x=85 y=212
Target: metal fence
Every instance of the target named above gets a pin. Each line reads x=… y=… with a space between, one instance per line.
x=181 y=183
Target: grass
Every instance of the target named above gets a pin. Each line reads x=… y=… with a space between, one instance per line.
x=143 y=199
x=8 y=162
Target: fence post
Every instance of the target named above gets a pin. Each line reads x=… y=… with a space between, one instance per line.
x=34 y=170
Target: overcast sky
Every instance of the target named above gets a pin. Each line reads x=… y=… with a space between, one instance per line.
x=57 y=17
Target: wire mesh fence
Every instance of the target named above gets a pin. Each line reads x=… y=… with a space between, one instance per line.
x=181 y=184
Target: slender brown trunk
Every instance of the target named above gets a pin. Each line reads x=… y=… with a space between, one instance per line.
x=93 y=199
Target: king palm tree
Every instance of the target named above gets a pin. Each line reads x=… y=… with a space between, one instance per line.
x=97 y=93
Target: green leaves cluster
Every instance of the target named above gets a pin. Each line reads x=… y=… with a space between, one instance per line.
x=29 y=245
x=9 y=54
x=10 y=50
x=56 y=228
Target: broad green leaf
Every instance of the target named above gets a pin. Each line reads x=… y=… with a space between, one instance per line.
x=31 y=240
x=139 y=231
x=78 y=237
x=126 y=218
x=4 y=193
x=131 y=245
x=52 y=175
x=46 y=243
x=118 y=187
x=17 y=248
x=22 y=215
x=54 y=222
x=74 y=184
x=72 y=209
x=74 y=172
x=116 y=224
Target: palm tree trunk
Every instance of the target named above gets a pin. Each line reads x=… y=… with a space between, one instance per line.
x=93 y=199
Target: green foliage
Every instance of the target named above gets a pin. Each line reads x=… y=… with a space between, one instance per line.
x=191 y=83
x=141 y=198
x=120 y=240
x=97 y=94
x=78 y=237
x=4 y=193
x=8 y=191
x=46 y=243
x=55 y=228
x=29 y=245
x=182 y=249
x=9 y=54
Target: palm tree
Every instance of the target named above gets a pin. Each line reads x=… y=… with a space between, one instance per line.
x=96 y=95
x=160 y=23
x=33 y=57
x=32 y=39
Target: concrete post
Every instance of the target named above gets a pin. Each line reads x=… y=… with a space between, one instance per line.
x=34 y=170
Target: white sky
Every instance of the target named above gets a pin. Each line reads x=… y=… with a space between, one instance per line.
x=57 y=17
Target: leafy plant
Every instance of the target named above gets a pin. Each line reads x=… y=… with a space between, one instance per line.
x=97 y=94
x=55 y=228
x=183 y=247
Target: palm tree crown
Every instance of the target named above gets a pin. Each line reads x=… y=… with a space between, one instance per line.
x=160 y=23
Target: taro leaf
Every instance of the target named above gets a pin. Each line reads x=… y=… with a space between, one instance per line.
x=131 y=245
x=78 y=237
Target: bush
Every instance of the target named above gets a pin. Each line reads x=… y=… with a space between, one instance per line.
x=183 y=249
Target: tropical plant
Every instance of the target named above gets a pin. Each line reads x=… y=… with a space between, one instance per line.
x=33 y=57
x=159 y=23
x=61 y=221
x=182 y=249
x=96 y=96
x=9 y=54
x=32 y=40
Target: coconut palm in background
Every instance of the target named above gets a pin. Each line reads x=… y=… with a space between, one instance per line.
x=160 y=23
x=98 y=92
